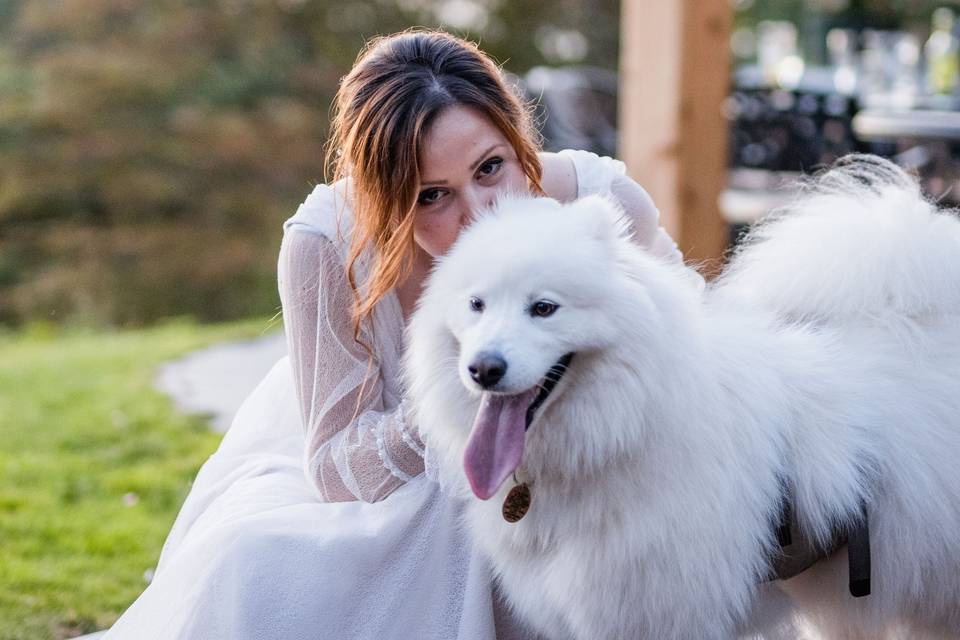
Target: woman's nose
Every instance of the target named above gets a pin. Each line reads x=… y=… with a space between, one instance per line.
x=476 y=200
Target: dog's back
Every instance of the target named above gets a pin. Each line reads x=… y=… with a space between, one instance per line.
x=863 y=255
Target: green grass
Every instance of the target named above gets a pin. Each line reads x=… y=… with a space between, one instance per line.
x=94 y=464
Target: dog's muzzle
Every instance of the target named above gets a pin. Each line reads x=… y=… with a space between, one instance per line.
x=495 y=447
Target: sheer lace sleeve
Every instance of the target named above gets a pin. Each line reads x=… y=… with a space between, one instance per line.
x=355 y=449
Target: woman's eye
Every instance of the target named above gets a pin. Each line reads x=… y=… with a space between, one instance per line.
x=543 y=308
x=491 y=166
x=430 y=196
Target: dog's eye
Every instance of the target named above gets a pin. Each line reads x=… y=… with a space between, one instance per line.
x=476 y=304
x=543 y=308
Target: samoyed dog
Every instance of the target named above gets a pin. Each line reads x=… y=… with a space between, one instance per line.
x=631 y=439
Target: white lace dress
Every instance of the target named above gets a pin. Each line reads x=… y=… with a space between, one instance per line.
x=365 y=544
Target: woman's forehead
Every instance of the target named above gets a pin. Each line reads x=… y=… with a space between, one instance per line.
x=458 y=140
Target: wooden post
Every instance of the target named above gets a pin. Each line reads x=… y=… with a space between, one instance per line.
x=674 y=77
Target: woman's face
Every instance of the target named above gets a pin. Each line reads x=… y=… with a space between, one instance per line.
x=465 y=163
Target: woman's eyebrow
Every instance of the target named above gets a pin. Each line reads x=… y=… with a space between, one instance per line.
x=472 y=168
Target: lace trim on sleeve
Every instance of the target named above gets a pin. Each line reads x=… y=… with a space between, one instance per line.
x=385 y=457
x=402 y=426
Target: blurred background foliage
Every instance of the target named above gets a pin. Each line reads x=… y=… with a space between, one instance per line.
x=151 y=149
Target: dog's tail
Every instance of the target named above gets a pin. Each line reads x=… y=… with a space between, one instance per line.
x=860 y=245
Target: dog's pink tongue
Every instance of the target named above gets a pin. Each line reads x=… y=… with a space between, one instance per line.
x=495 y=447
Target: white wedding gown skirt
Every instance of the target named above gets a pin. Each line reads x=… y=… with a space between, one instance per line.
x=254 y=555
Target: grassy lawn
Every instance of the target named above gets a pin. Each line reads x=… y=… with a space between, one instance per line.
x=94 y=464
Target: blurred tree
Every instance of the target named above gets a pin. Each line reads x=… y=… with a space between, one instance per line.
x=150 y=149
x=815 y=17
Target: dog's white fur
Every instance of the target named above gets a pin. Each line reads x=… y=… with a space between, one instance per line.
x=828 y=355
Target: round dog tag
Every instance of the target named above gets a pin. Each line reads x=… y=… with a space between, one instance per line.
x=517 y=503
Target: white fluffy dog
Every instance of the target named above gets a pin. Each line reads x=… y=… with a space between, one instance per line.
x=823 y=368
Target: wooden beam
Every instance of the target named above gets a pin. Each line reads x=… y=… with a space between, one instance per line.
x=674 y=77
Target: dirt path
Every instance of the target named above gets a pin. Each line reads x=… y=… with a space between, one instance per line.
x=216 y=380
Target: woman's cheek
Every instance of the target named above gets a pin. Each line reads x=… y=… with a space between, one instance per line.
x=437 y=234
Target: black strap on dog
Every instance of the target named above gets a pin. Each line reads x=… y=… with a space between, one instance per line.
x=858 y=549
x=858 y=555
x=786 y=517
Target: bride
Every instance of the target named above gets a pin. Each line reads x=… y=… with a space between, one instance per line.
x=321 y=515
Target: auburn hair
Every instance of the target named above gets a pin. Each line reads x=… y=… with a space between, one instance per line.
x=381 y=113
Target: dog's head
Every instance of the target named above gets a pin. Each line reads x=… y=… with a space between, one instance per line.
x=531 y=297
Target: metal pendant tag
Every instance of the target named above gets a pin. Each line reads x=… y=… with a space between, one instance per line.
x=517 y=503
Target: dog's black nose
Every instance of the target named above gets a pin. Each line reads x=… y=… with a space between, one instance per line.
x=487 y=369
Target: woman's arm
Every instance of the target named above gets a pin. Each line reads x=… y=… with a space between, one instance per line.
x=644 y=218
x=356 y=448
x=560 y=181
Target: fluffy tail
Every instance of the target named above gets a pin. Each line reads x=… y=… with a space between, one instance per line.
x=860 y=245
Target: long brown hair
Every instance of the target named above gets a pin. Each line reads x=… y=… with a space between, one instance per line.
x=382 y=110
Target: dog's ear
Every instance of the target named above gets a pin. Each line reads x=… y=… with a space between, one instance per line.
x=602 y=217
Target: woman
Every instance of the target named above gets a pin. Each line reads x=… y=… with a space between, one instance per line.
x=425 y=134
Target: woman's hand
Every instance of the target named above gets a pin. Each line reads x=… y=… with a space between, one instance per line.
x=644 y=218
